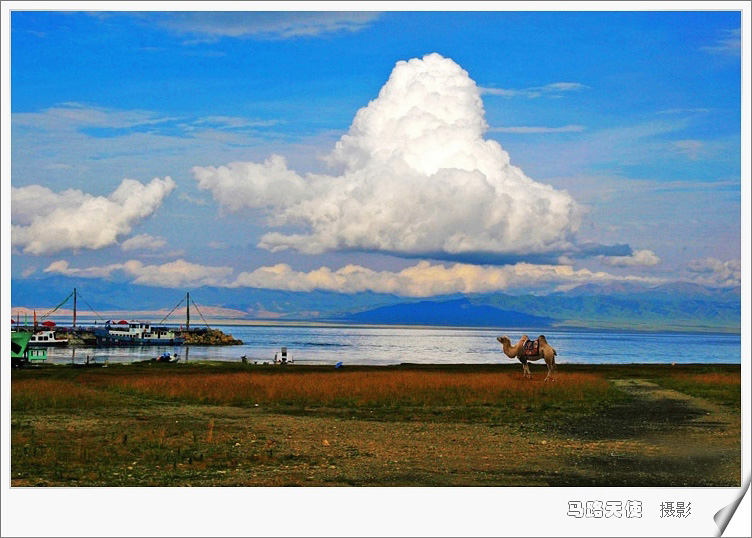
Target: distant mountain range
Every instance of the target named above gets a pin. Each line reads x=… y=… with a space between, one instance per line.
x=675 y=306
x=457 y=313
x=678 y=306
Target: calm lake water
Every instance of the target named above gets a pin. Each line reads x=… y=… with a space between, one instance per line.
x=387 y=345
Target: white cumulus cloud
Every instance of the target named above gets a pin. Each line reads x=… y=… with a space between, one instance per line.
x=143 y=242
x=715 y=272
x=423 y=279
x=175 y=274
x=62 y=267
x=644 y=258
x=417 y=177
x=45 y=222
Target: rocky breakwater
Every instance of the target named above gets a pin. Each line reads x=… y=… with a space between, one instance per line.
x=80 y=337
x=209 y=337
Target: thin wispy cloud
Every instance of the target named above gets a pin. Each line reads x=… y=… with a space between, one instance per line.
x=71 y=116
x=537 y=129
x=235 y=122
x=619 y=145
x=555 y=90
x=71 y=139
x=730 y=43
x=692 y=149
x=684 y=111
x=194 y=200
x=205 y=26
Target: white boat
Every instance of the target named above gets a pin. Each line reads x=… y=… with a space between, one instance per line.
x=136 y=333
x=46 y=338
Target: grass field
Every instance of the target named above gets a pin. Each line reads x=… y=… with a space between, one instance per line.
x=234 y=424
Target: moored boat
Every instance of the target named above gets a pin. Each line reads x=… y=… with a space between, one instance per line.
x=46 y=338
x=136 y=333
x=20 y=351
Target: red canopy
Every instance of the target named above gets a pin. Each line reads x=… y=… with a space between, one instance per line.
x=48 y=323
x=122 y=322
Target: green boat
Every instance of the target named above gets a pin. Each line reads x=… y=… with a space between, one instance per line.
x=20 y=353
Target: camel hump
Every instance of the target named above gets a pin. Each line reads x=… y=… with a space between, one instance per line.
x=543 y=339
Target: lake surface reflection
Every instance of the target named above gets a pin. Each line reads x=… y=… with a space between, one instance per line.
x=387 y=345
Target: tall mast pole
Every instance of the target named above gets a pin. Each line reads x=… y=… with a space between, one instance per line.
x=74 y=308
x=188 y=311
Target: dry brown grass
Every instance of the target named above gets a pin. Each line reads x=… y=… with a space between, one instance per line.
x=58 y=393
x=358 y=388
x=710 y=378
x=155 y=425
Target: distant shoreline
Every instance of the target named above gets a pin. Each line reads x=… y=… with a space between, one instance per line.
x=573 y=326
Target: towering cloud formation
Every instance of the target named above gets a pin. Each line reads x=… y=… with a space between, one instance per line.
x=417 y=177
x=46 y=222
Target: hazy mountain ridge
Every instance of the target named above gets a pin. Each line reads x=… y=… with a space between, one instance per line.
x=669 y=291
x=679 y=305
x=257 y=303
x=457 y=312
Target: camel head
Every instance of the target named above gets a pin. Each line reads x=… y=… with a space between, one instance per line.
x=503 y=339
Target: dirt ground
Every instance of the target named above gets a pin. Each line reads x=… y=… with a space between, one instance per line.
x=655 y=437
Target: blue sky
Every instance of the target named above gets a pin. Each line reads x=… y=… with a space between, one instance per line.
x=624 y=125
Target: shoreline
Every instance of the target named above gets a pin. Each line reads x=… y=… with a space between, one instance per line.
x=257 y=364
x=574 y=326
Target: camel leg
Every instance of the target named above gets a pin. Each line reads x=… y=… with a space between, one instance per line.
x=550 y=368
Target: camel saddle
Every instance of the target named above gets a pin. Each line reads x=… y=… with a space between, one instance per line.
x=530 y=347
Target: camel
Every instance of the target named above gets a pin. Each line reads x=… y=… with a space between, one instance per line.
x=545 y=351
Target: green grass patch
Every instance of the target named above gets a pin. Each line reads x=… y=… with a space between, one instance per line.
x=721 y=388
